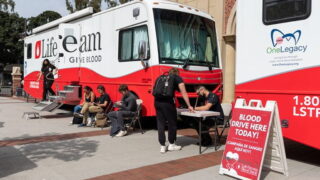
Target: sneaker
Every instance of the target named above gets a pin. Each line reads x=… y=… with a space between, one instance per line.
x=82 y=125
x=89 y=123
x=121 y=133
x=163 y=149
x=173 y=147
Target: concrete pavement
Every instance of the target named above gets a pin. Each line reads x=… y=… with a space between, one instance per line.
x=92 y=153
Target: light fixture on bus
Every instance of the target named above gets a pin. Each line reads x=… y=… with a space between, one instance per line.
x=136 y=12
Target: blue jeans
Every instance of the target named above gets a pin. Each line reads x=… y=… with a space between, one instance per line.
x=77 y=109
x=117 y=123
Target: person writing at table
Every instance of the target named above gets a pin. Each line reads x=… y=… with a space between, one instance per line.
x=211 y=103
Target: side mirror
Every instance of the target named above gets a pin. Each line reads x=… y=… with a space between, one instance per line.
x=143 y=53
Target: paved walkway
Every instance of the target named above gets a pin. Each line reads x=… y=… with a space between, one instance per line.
x=50 y=148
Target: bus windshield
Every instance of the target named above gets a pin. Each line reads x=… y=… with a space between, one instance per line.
x=186 y=38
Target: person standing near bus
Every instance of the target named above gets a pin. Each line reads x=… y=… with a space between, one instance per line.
x=47 y=70
x=166 y=109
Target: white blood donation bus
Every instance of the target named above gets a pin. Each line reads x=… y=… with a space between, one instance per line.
x=277 y=59
x=129 y=44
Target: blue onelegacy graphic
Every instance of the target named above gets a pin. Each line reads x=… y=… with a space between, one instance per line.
x=295 y=36
x=278 y=38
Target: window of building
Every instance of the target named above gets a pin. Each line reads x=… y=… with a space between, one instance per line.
x=129 y=42
x=280 y=11
x=29 y=51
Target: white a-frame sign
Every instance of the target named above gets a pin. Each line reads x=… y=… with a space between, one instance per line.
x=254 y=141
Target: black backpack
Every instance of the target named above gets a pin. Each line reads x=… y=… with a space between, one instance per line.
x=77 y=120
x=164 y=86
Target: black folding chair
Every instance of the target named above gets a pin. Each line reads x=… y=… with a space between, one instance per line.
x=131 y=121
x=227 y=109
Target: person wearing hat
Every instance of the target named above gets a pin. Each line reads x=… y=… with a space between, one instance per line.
x=211 y=103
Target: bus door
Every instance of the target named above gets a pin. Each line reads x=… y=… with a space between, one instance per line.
x=69 y=54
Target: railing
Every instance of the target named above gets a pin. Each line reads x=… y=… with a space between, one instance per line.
x=6 y=91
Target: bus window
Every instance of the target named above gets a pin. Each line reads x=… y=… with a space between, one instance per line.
x=29 y=51
x=184 y=37
x=129 y=40
x=280 y=11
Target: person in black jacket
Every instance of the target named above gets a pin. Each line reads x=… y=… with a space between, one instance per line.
x=127 y=106
x=48 y=79
x=166 y=112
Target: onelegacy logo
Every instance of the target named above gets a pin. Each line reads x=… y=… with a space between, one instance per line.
x=285 y=43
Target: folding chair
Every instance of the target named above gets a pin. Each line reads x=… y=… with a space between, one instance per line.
x=227 y=109
x=215 y=128
x=131 y=121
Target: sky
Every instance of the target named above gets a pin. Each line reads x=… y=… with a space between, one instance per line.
x=32 y=8
x=29 y=8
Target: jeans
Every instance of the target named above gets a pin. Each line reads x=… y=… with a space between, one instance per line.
x=47 y=88
x=116 y=118
x=77 y=109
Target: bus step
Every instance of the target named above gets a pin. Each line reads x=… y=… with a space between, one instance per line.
x=47 y=106
x=70 y=93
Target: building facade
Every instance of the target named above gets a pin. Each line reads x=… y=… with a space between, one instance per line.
x=224 y=13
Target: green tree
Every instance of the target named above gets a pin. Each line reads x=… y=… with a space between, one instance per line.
x=41 y=19
x=124 y=1
x=11 y=37
x=111 y=3
x=77 y=5
x=5 y=5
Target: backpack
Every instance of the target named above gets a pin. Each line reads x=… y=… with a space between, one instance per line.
x=164 y=86
x=101 y=120
x=77 y=120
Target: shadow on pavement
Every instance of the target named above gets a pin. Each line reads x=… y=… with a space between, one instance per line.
x=17 y=159
x=185 y=140
x=26 y=136
x=302 y=153
x=13 y=161
x=1 y=124
x=71 y=150
x=58 y=115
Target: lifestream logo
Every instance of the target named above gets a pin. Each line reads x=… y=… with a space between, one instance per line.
x=285 y=43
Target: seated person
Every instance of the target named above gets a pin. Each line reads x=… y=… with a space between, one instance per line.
x=98 y=106
x=212 y=103
x=127 y=107
x=88 y=97
x=101 y=102
x=84 y=113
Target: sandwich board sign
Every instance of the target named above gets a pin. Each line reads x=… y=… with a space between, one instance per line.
x=254 y=141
